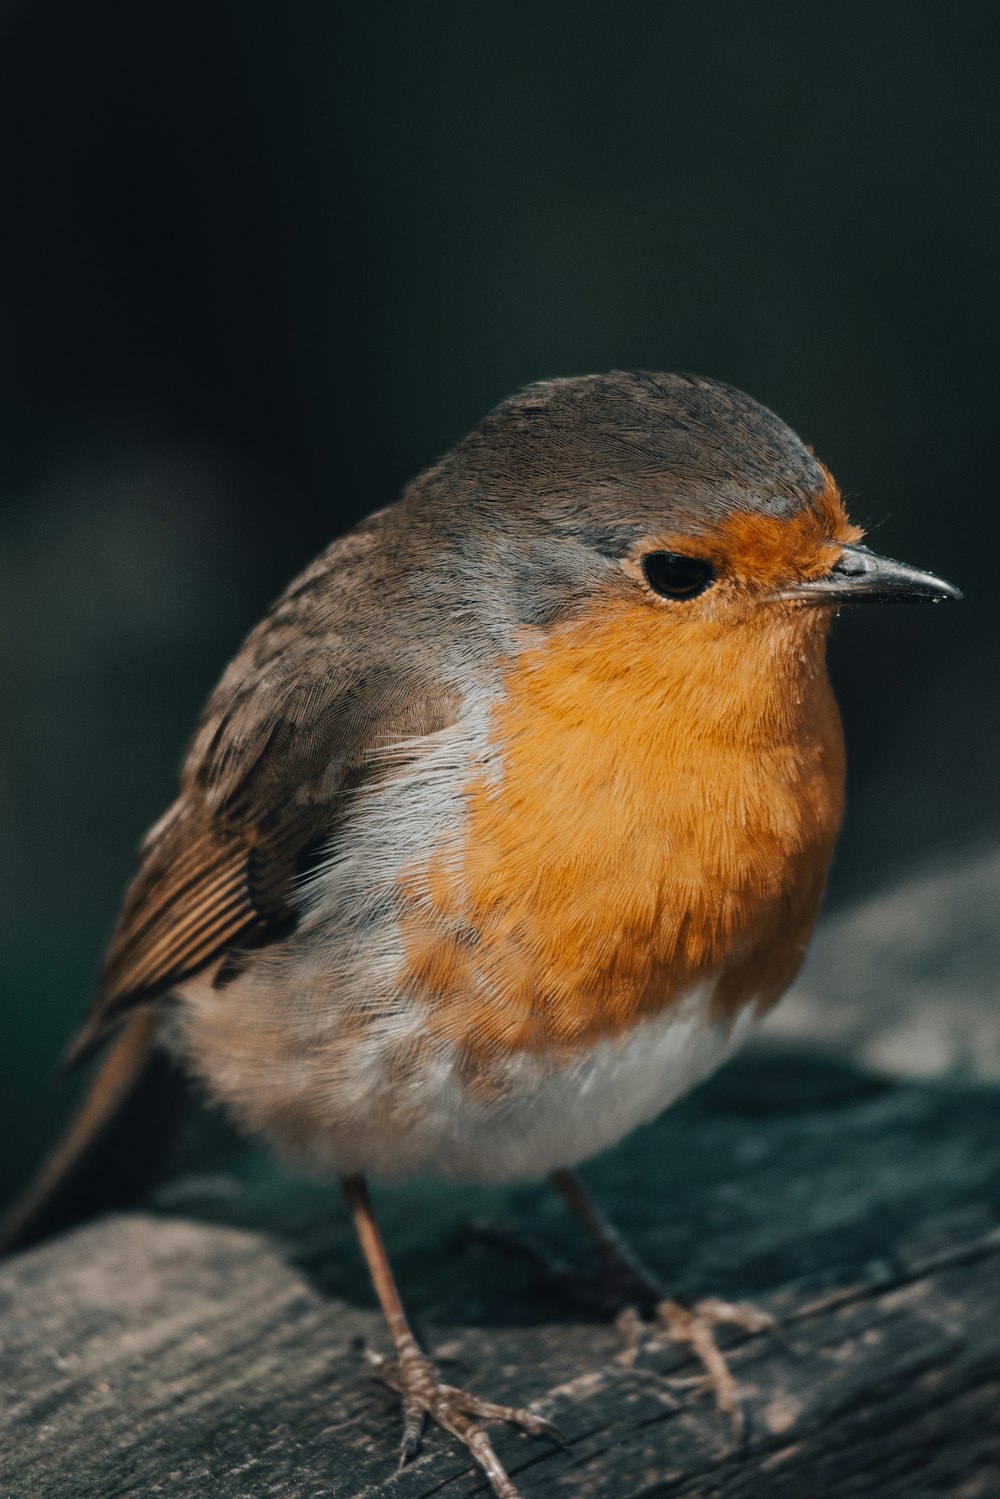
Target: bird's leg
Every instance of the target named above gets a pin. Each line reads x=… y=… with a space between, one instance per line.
x=630 y=1286
x=417 y=1379
x=625 y=1280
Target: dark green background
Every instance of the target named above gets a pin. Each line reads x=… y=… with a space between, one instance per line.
x=260 y=263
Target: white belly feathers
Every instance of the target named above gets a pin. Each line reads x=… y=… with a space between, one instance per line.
x=314 y=1046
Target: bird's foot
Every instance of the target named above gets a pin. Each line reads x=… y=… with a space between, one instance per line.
x=694 y=1327
x=425 y=1397
x=646 y=1318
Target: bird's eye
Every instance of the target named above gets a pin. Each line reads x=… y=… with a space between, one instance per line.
x=677 y=577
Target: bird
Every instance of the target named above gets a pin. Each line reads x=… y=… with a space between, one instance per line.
x=505 y=825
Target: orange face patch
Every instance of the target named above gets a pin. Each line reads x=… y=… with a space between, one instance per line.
x=763 y=552
x=660 y=811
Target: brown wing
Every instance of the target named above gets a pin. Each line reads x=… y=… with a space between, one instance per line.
x=290 y=728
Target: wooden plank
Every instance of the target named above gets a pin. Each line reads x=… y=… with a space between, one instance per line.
x=905 y=982
x=214 y=1348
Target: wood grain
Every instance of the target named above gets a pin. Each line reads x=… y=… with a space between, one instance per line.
x=160 y=1354
x=212 y=1344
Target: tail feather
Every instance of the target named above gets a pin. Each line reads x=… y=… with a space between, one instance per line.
x=114 y=1144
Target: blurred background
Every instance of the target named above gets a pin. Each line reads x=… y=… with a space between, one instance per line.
x=260 y=263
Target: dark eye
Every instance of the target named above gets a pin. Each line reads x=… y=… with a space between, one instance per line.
x=677 y=577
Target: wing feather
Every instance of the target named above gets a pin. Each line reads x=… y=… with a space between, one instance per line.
x=290 y=727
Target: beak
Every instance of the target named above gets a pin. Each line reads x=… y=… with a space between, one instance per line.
x=859 y=574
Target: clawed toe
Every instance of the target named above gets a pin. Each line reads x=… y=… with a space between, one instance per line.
x=623 y=1284
x=426 y=1397
x=695 y=1326
x=489 y=1410
x=744 y=1314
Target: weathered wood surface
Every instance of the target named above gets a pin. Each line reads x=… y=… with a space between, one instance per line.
x=907 y=982
x=213 y=1348
x=160 y=1355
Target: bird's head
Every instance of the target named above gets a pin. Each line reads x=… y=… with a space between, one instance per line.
x=672 y=494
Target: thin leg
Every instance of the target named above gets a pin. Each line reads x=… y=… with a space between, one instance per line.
x=416 y=1378
x=626 y=1278
x=628 y=1283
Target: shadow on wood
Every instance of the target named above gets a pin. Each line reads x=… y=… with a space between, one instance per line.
x=215 y=1347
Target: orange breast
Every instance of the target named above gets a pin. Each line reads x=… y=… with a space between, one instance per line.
x=653 y=818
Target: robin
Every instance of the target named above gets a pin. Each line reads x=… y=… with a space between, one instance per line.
x=507 y=822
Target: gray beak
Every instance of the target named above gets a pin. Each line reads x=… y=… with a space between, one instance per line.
x=859 y=574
